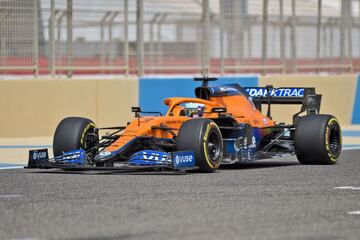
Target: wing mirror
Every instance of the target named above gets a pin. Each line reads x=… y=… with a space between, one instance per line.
x=135 y=109
x=218 y=110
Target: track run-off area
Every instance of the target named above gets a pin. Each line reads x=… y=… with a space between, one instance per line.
x=268 y=199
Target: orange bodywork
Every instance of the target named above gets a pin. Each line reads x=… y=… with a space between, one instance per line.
x=238 y=106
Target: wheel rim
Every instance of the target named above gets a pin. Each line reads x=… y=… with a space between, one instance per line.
x=90 y=139
x=334 y=141
x=213 y=146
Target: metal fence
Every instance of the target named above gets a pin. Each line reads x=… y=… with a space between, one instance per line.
x=67 y=37
x=19 y=35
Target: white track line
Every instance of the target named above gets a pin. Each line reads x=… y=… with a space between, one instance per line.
x=354 y=213
x=348 y=188
x=13 y=167
x=10 y=196
x=351 y=148
x=25 y=239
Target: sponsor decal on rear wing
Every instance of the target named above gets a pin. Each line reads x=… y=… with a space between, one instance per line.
x=283 y=95
x=305 y=96
x=275 y=92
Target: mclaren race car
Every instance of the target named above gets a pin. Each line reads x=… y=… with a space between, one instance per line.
x=222 y=125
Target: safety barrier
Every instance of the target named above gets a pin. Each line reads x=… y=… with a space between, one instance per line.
x=35 y=107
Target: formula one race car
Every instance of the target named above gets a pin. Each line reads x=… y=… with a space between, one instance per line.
x=222 y=125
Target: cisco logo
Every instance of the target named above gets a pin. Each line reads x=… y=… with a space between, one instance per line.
x=184 y=159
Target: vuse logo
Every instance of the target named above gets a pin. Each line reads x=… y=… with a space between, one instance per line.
x=183 y=159
x=39 y=155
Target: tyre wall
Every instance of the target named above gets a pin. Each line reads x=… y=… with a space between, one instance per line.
x=34 y=107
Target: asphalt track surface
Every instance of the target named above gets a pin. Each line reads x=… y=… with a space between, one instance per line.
x=269 y=199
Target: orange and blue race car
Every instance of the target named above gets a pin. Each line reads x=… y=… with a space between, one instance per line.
x=222 y=125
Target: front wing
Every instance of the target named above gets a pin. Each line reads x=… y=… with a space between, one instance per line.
x=142 y=160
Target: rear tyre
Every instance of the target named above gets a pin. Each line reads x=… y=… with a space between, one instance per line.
x=202 y=136
x=74 y=133
x=318 y=139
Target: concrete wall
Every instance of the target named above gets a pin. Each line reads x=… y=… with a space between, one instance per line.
x=35 y=107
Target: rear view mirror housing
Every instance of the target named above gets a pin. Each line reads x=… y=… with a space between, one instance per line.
x=219 y=110
x=135 y=109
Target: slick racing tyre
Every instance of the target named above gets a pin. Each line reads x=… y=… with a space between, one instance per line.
x=74 y=133
x=202 y=136
x=318 y=139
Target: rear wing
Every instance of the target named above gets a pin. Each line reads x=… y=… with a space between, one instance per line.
x=306 y=97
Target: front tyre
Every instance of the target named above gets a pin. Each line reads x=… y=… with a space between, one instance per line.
x=318 y=139
x=74 y=133
x=202 y=136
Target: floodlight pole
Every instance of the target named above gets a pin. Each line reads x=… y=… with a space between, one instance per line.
x=293 y=36
x=69 y=47
x=151 y=43
x=110 y=45
x=52 y=38
x=126 y=36
x=205 y=37
x=264 y=32
x=319 y=25
x=282 y=35
x=342 y=31
x=102 y=39
x=159 y=38
x=349 y=28
x=222 y=60
x=140 y=36
x=36 y=38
